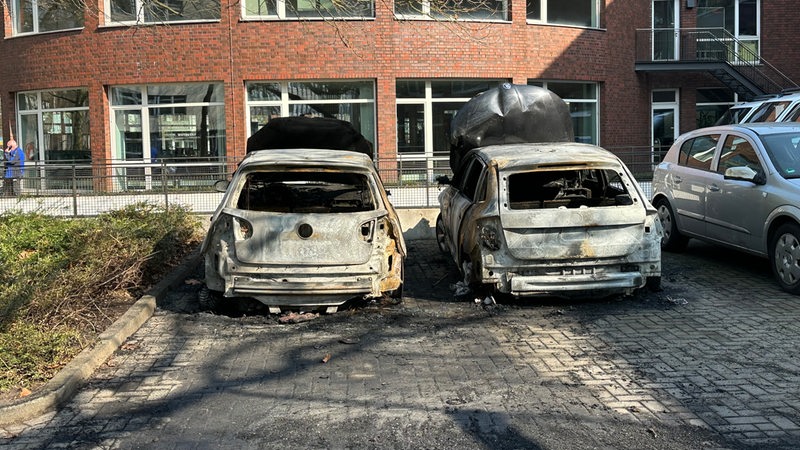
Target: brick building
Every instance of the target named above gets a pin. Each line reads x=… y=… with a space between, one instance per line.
x=131 y=81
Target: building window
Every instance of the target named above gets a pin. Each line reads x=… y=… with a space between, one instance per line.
x=351 y=101
x=38 y=16
x=164 y=123
x=54 y=125
x=581 y=13
x=582 y=101
x=425 y=109
x=712 y=104
x=306 y=9
x=145 y=11
x=739 y=18
x=453 y=9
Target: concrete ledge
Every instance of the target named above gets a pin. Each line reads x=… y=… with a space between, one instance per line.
x=67 y=382
x=418 y=223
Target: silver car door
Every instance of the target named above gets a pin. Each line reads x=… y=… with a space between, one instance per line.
x=735 y=209
x=688 y=182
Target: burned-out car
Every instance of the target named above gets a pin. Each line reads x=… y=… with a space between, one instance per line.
x=558 y=219
x=529 y=212
x=304 y=229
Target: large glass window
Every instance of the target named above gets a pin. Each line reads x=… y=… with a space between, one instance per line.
x=739 y=18
x=453 y=9
x=712 y=103
x=39 y=16
x=287 y=9
x=425 y=110
x=168 y=122
x=582 y=101
x=582 y=13
x=147 y=11
x=54 y=125
x=351 y=101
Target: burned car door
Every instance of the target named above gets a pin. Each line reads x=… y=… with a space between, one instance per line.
x=468 y=191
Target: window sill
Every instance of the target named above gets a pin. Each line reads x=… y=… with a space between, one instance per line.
x=563 y=25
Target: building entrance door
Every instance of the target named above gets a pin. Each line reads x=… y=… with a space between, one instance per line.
x=665 y=30
x=664 y=122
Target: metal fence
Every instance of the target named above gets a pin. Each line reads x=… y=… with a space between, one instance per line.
x=80 y=189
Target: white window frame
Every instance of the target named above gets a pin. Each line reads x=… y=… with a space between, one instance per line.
x=544 y=19
x=425 y=14
x=39 y=112
x=594 y=101
x=140 y=17
x=14 y=13
x=280 y=8
x=285 y=102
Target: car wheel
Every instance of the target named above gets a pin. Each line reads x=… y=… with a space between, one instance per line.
x=441 y=235
x=784 y=255
x=672 y=239
x=208 y=300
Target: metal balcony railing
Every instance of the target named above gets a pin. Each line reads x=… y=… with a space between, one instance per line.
x=713 y=47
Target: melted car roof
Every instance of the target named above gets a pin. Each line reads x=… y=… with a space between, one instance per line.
x=510 y=156
x=308 y=157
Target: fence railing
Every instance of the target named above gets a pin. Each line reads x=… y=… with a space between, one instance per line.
x=82 y=189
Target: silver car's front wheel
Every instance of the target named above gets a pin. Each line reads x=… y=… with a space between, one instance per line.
x=785 y=257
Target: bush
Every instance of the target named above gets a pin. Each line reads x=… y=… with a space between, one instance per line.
x=63 y=281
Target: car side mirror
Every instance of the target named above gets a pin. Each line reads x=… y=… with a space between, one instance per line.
x=744 y=173
x=221 y=185
x=443 y=179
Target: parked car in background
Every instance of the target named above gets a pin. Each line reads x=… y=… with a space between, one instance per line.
x=303 y=229
x=738 y=186
x=554 y=219
x=776 y=109
x=739 y=113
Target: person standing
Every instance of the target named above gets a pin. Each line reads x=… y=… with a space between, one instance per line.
x=14 y=164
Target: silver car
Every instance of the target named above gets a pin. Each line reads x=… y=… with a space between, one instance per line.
x=304 y=228
x=738 y=186
x=555 y=219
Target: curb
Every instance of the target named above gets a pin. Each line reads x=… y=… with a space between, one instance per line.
x=67 y=382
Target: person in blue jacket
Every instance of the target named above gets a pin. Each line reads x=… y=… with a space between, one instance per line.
x=14 y=165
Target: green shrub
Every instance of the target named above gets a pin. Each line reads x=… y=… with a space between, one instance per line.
x=63 y=281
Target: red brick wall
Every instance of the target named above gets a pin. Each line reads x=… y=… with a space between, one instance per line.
x=234 y=51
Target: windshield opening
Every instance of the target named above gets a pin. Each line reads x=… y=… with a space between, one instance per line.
x=567 y=189
x=306 y=192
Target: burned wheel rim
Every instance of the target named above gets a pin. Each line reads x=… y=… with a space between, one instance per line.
x=786 y=259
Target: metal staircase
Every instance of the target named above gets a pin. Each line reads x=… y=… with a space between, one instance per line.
x=713 y=50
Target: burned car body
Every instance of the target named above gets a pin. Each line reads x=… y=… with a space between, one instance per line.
x=304 y=228
x=553 y=219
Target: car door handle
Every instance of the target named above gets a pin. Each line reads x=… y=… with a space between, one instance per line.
x=713 y=188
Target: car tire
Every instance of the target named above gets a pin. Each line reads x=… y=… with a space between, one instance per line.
x=441 y=236
x=672 y=240
x=208 y=300
x=784 y=257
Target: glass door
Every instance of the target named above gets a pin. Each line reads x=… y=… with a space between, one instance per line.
x=664 y=122
x=665 y=31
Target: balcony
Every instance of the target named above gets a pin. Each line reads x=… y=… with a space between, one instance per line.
x=736 y=62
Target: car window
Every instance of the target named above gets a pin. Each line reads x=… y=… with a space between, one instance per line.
x=784 y=152
x=737 y=152
x=769 y=111
x=733 y=115
x=568 y=188
x=306 y=192
x=698 y=152
x=793 y=115
x=469 y=183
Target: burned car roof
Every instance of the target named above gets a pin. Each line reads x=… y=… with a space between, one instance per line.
x=309 y=133
x=509 y=114
x=525 y=155
x=307 y=157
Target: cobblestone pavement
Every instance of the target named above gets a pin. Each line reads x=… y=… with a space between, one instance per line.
x=709 y=362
